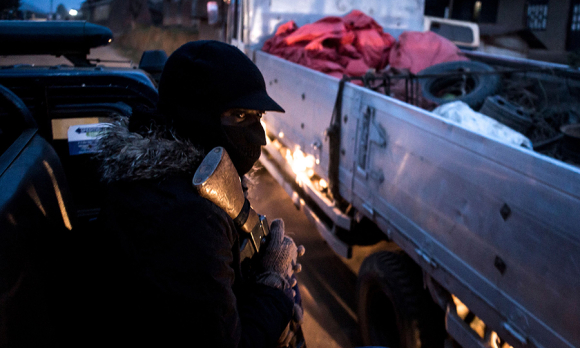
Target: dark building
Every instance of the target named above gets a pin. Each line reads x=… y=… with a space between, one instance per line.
x=118 y=15
x=186 y=13
x=544 y=29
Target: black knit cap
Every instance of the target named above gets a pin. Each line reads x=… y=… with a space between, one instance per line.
x=210 y=77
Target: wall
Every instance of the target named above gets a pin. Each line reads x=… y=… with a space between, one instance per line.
x=184 y=13
x=177 y=13
x=554 y=37
x=119 y=15
x=512 y=17
x=511 y=14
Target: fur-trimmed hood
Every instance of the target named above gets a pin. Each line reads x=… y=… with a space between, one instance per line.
x=130 y=156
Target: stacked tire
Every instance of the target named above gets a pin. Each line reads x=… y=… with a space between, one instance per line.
x=466 y=81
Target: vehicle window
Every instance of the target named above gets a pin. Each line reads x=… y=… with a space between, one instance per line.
x=454 y=33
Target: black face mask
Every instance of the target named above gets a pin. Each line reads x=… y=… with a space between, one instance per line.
x=244 y=145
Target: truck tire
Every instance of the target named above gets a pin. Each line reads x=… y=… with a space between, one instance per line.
x=394 y=309
x=445 y=89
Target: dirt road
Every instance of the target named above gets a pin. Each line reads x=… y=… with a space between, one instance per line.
x=108 y=56
x=328 y=281
x=327 y=284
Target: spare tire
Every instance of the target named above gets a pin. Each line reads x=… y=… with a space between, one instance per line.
x=459 y=81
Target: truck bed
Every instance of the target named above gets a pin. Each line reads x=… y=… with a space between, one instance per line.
x=496 y=225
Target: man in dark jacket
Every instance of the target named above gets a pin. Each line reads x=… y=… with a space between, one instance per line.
x=171 y=261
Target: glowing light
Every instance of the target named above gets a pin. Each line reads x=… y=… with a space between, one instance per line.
x=494 y=340
x=478 y=326
x=289 y=156
x=110 y=40
x=59 y=198
x=323 y=183
x=298 y=163
x=281 y=135
x=477 y=10
x=32 y=193
x=73 y=12
x=11 y=219
x=310 y=160
x=462 y=309
x=301 y=164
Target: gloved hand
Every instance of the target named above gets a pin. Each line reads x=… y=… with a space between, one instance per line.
x=279 y=260
x=279 y=267
x=298 y=313
x=292 y=335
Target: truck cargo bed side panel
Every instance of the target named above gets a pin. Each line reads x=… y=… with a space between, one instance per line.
x=499 y=221
x=491 y=204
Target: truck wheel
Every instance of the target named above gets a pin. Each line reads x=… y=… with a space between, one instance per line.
x=472 y=89
x=394 y=310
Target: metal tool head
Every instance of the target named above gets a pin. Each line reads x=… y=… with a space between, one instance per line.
x=217 y=180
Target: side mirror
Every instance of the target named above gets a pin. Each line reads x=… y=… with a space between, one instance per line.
x=153 y=62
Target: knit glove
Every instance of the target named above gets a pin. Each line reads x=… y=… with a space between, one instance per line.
x=279 y=265
x=279 y=260
x=292 y=334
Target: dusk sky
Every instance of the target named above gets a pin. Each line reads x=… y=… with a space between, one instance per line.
x=45 y=4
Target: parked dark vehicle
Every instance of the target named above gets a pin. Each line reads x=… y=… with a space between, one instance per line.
x=43 y=235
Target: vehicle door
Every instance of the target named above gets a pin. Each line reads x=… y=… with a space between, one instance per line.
x=36 y=221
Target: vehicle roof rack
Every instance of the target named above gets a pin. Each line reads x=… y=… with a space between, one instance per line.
x=71 y=39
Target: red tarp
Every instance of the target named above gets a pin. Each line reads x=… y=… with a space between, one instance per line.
x=355 y=43
x=416 y=51
x=348 y=45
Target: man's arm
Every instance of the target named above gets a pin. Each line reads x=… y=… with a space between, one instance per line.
x=182 y=249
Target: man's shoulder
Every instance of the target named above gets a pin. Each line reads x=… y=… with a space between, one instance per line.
x=174 y=194
x=170 y=205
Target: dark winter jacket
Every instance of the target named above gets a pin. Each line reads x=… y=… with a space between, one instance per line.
x=170 y=261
